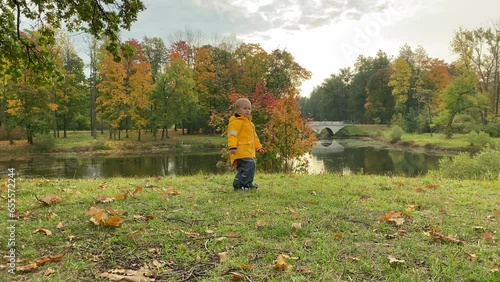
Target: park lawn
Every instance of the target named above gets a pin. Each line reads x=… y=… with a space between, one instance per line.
x=327 y=227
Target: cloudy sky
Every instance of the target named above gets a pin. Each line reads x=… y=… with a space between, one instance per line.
x=323 y=35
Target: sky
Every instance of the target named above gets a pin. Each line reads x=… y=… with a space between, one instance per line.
x=322 y=35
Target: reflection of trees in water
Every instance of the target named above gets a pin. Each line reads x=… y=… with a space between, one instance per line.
x=374 y=161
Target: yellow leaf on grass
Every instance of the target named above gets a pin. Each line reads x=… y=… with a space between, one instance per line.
x=280 y=263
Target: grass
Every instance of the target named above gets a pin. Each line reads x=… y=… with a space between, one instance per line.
x=210 y=233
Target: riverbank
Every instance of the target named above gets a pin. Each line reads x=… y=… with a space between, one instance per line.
x=81 y=142
x=294 y=228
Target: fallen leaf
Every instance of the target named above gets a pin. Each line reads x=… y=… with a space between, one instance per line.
x=48 y=271
x=45 y=231
x=129 y=275
x=280 y=263
x=115 y=212
x=50 y=199
x=114 y=221
x=443 y=211
x=433 y=186
x=237 y=276
x=471 y=257
x=394 y=261
x=98 y=215
x=419 y=190
x=59 y=225
x=260 y=223
x=120 y=196
x=488 y=236
x=247 y=266
x=136 y=191
x=338 y=236
x=447 y=239
x=224 y=256
x=37 y=263
x=104 y=199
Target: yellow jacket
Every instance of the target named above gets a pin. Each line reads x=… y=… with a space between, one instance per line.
x=242 y=136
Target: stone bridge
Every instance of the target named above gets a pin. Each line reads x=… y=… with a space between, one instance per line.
x=331 y=126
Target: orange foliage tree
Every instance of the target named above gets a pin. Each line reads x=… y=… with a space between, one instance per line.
x=286 y=137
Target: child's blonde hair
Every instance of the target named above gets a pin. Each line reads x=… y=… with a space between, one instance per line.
x=242 y=101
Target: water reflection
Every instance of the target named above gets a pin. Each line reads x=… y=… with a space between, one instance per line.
x=369 y=160
x=112 y=166
x=326 y=157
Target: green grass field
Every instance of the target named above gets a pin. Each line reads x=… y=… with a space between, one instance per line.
x=294 y=228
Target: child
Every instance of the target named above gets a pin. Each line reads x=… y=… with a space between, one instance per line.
x=242 y=144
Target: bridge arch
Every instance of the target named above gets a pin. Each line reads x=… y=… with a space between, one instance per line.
x=331 y=126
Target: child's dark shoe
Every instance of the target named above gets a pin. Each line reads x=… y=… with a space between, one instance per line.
x=252 y=186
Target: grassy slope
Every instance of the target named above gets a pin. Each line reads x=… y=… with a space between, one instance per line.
x=340 y=239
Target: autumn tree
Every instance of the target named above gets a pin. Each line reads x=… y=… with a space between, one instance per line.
x=112 y=101
x=286 y=136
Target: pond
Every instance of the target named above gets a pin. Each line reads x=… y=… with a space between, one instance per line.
x=326 y=156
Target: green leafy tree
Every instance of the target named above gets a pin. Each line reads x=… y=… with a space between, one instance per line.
x=97 y=17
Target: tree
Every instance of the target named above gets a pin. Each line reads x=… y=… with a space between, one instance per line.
x=284 y=73
x=97 y=17
x=460 y=96
x=479 y=52
x=287 y=137
x=400 y=81
x=113 y=92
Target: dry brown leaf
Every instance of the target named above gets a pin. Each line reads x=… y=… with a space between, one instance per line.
x=129 y=275
x=223 y=256
x=171 y=192
x=471 y=257
x=280 y=263
x=121 y=196
x=60 y=225
x=247 y=266
x=42 y=230
x=443 y=211
x=489 y=236
x=394 y=261
x=114 y=221
x=37 y=263
x=136 y=191
x=115 y=212
x=338 y=236
x=48 y=271
x=50 y=199
x=98 y=215
x=419 y=190
x=237 y=276
x=447 y=239
x=104 y=199
x=260 y=223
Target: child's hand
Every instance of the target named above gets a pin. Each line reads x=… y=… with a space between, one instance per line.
x=232 y=151
x=261 y=151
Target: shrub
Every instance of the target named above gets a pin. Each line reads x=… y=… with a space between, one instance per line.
x=480 y=139
x=44 y=143
x=396 y=133
x=484 y=165
x=493 y=129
